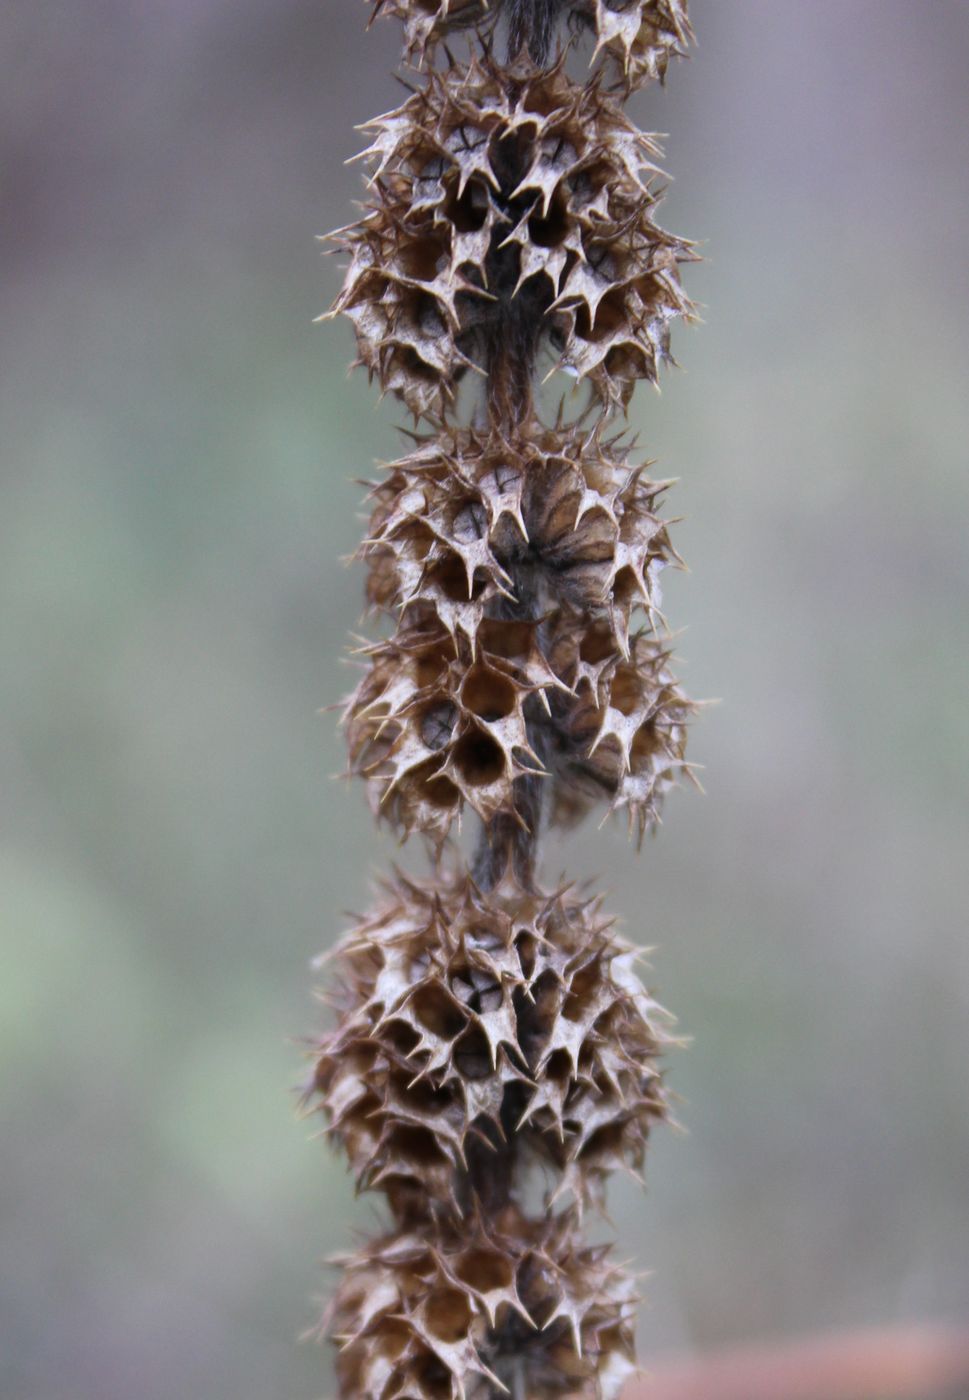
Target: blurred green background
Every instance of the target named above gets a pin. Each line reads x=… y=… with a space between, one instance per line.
x=179 y=448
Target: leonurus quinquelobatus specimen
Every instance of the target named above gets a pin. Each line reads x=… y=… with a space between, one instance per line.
x=486 y=1027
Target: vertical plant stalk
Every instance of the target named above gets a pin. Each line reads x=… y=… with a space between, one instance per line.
x=487 y=1030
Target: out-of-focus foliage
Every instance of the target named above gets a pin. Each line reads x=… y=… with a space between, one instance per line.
x=179 y=444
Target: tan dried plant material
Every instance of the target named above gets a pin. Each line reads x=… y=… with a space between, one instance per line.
x=497 y=195
x=501 y=1306
x=636 y=39
x=621 y=733
x=561 y=510
x=434 y=727
x=641 y=36
x=477 y=1033
x=488 y=1034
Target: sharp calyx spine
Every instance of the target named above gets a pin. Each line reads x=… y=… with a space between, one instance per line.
x=485 y=1028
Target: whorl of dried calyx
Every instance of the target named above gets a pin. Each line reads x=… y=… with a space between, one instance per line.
x=634 y=39
x=469 y=517
x=510 y=212
x=435 y=727
x=478 y=1034
x=503 y=1306
x=467 y=699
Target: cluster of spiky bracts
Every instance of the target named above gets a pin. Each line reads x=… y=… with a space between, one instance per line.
x=488 y=1033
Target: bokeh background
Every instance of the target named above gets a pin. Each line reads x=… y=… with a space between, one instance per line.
x=179 y=451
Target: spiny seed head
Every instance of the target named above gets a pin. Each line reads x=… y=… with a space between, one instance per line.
x=621 y=732
x=635 y=38
x=483 y=1027
x=471 y=1026
x=497 y=192
x=434 y=726
x=507 y=1303
x=641 y=36
x=456 y=522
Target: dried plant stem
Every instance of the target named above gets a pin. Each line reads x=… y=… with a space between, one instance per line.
x=485 y=1026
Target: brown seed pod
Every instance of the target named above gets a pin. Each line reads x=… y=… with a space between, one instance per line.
x=635 y=38
x=478 y=1032
x=471 y=517
x=502 y=196
x=508 y=1304
x=434 y=726
x=640 y=36
x=622 y=733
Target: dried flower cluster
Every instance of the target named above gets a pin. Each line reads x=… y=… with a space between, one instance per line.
x=479 y=1026
x=510 y=190
x=483 y=1027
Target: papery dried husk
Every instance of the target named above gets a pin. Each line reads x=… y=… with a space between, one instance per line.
x=471 y=1026
x=497 y=190
x=501 y=1305
x=436 y=727
x=621 y=734
x=471 y=517
x=634 y=39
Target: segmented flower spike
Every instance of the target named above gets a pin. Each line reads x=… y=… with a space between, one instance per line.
x=485 y=1028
